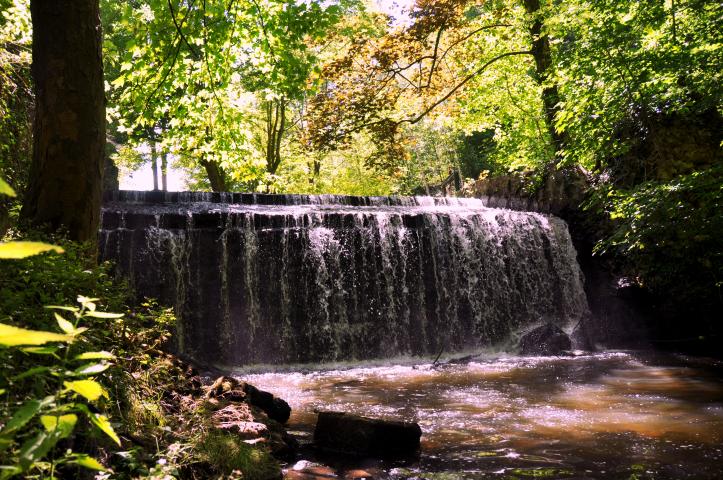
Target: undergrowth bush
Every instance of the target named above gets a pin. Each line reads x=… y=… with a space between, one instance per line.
x=28 y=285
x=139 y=414
x=668 y=235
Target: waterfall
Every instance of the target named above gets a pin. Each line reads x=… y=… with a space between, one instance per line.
x=258 y=278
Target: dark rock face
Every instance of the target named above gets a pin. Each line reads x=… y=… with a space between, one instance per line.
x=581 y=337
x=355 y=435
x=548 y=339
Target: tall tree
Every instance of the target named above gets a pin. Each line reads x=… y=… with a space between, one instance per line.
x=69 y=128
x=193 y=61
x=543 y=64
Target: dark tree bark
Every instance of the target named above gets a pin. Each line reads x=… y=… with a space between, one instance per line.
x=69 y=130
x=154 y=163
x=164 y=171
x=275 y=126
x=216 y=175
x=543 y=62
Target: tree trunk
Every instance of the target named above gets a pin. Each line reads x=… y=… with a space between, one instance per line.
x=164 y=171
x=543 y=62
x=275 y=126
x=69 y=129
x=154 y=163
x=216 y=175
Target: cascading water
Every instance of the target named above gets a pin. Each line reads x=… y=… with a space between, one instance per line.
x=302 y=278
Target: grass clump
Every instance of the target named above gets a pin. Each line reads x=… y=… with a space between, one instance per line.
x=227 y=454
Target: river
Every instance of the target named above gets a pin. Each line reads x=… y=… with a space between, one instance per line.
x=618 y=415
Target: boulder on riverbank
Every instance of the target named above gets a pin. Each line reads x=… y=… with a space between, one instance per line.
x=228 y=388
x=355 y=435
x=548 y=339
x=251 y=415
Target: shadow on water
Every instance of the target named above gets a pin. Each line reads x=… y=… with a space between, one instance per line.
x=630 y=415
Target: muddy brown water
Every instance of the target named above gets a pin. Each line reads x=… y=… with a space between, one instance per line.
x=627 y=415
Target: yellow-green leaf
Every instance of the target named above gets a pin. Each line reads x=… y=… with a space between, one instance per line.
x=64 y=424
x=90 y=389
x=83 y=299
x=12 y=336
x=6 y=189
x=91 y=369
x=15 y=250
x=62 y=307
x=64 y=325
x=48 y=350
x=103 y=355
x=103 y=314
x=89 y=462
x=101 y=421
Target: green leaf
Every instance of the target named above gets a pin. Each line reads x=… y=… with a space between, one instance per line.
x=31 y=372
x=101 y=421
x=90 y=389
x=5 y=442
x=23 y=415
x=68 y=327
x=103 y=314
x=91 y=369
x=63 y=423
x=86 y=300
x=16 y=250
x=89 y=462
x=62 y=307
x=37 y=447
x=64 y=325
x=13 y=336
x=6 y=189
x=8 y=471
x=103 y=355
x=49 y=350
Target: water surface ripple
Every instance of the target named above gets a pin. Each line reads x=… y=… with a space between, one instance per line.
x=627 y=415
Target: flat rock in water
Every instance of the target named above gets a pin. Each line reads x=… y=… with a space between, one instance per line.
x=548 y=339
x=356 y=435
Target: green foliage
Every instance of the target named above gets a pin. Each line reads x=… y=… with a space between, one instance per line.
x=16 y=104
x=63 y=384
x=668 y=235
x=344 y=171
x=31 y=283
x=194 y=72
x=66 y=385
x=16 y=97
x=6 y=189
x=620 y=64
